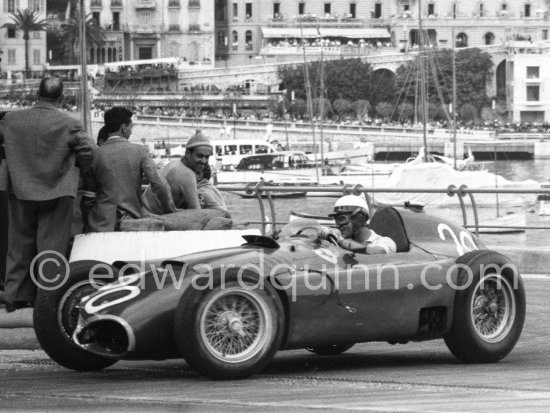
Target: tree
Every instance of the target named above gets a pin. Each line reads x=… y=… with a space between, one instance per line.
x=345 y=78
x=27 y=21
x=70 y=33
x=467 y=112
x=342 y=107
x=361 y=108
x=473 y=70
x=384 y=109
x=405 y=112
x=297 y=108
x=317 y=107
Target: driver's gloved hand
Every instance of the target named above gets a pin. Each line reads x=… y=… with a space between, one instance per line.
x=330 y=234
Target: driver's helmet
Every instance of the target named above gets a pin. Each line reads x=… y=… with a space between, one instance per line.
x=350 y=205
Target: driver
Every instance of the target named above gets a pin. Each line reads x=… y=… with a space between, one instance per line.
x=351 y=214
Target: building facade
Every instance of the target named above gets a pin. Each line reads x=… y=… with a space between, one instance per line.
x=12 y=44
x=249 y=28
x=528 y=87
x=154 y=29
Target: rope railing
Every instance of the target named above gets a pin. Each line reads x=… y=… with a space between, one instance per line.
x=260 y=189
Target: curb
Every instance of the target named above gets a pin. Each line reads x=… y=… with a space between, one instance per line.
x=17 y=332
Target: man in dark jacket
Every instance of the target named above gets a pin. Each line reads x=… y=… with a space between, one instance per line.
x=117 y=174
x=44 y=148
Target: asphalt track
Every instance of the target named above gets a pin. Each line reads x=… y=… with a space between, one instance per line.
x=374 y=377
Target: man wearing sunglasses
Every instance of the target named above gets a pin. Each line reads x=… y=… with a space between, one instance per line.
x=351 y=214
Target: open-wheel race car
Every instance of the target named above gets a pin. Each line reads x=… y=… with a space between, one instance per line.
x=228 y=311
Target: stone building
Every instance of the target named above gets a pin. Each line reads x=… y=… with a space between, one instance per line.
x=154 y=29
x=12 y=44
x=274 y=28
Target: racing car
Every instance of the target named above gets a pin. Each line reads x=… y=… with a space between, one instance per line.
x=228 y=311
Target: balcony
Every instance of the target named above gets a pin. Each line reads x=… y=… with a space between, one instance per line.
x=96 y=4
x=174 y=4
x=173 y=27
x=145 y=4
x=143 y=29
x=194 y=4
x=116 y=4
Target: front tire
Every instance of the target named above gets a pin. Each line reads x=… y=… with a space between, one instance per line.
x=231 y=331
x=55 y=318
x=488 y=315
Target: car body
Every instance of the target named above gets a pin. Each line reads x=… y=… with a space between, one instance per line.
x=228 y=311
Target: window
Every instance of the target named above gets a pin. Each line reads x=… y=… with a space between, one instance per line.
x=481 y=11
x=220 y=10
x=327 y=8
x=301 y=8
x=406 y=7
x=235 y=11
x=34 y=5
x=352 y=10
x=248 y=39
x=12 y=6
x=545 y=34
x=11 y=56
x=489 y=38
x=454 y=11
x=504 y=7
x=221 y=39
x=36 y=56
x=431 y=9
x=95 y=17
x=527 y=10
x=11 y=33
x=116 y=20
x=245 y=149
x=36 y=35
x=276 y=10
x=377 y=10
x=532 y=93
x=248 y=8
x=532 y=72
x=146 y=17
x=235 y=40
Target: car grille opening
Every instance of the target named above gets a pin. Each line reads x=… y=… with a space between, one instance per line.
x=107 y=337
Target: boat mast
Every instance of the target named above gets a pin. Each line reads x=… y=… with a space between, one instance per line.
x=454 y=93
x=309 y=104
x=423 y=89
x=322 y=102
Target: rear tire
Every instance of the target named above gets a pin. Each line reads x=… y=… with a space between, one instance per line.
x=55 y=318
x=231 y=331
x=489 y=315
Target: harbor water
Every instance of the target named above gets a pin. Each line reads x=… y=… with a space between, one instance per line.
x=247 y=210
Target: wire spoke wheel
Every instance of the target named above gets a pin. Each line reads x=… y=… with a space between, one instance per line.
x=493 y=308
x=69 y=306
x=234 y=325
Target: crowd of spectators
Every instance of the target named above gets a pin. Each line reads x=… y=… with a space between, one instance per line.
x=9 y=102
x=362 y=44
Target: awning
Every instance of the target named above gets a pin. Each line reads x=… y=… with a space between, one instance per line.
x=355 y=33
x=289 y=32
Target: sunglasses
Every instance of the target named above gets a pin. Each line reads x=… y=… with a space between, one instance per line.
x=342 y=219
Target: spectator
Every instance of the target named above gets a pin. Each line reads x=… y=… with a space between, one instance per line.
x=181 y=175
x=42 y=146
x=117 y=174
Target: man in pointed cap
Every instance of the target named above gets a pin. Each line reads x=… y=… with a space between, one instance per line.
x=181 y=175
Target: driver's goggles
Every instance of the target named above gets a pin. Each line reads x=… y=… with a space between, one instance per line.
x=342 y=219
